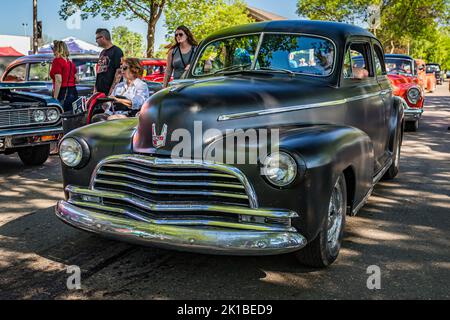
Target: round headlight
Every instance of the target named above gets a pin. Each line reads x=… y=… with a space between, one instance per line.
x=39 y=116
x=52 y=115
x=280 y=169
x=71 y=152
x=413 y=95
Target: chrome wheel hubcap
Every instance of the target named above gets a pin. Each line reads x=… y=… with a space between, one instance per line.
x=335 y=219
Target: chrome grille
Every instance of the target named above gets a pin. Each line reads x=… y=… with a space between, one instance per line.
x=21 y=114
x=162 y=181
x=12 y=118
x=177 y=192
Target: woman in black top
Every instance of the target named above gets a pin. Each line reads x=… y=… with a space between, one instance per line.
x=180 y=54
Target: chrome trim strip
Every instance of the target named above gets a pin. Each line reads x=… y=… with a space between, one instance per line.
x=192 y=239
x=362 y=203
x=180 y=164
x=198 y=221
x=181 y=206
x=272 y=111
x=381 y=174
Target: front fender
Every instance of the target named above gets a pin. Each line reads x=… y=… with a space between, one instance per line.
x=104 y=139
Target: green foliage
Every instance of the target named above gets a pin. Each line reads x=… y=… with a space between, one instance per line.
x=148 y=11
x=413 y=26
x=204 y=17
x=130 y=42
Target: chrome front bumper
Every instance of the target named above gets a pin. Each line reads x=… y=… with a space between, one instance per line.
x=200 y=236
x=413 y=114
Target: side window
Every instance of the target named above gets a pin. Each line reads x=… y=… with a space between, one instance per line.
x=380 y=66
x=86 y=69
x=17 y=74
x=39 y=72
x=357 y=61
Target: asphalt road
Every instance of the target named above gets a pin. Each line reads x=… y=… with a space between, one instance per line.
x=404 y=230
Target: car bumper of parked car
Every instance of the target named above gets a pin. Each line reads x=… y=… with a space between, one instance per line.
x=192 y=236
x=412 y=114
x=19 y=138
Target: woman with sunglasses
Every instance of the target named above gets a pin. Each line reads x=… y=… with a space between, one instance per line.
x=129 y=95
x=180 y=54
x=63 y=73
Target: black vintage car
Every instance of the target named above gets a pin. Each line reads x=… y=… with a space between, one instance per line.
x=29 y=123
x=36 y=68
x=272 y=140
x=436 y=69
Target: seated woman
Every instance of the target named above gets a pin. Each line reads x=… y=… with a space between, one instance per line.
x=129 y=95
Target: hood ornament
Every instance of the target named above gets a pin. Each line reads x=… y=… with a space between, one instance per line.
x=159 y=141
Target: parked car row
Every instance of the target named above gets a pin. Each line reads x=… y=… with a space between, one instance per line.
x=35 y=69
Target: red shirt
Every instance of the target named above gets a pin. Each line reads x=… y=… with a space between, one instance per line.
x=66 y=69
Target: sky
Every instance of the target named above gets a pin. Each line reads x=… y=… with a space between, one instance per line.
x=15 y=13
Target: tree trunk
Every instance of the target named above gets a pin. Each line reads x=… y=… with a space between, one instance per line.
x=392 y=47
x=151 y=29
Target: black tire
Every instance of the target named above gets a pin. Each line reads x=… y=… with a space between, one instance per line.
x=35 y=156
x=412 y=126
x=322 y=252
x=395 y=167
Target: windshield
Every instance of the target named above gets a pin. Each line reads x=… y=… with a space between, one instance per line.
x=295 y=54
x=433 y=68
x=399 y=66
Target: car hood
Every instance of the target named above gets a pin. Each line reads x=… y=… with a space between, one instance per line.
x=197 y=106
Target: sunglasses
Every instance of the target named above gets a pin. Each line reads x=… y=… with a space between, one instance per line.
x=179 y=35
x=124 y=68
x=98 y=37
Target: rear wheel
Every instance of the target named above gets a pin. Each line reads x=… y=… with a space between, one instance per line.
x=395 y=167
x=324 y=250
x=35 y=156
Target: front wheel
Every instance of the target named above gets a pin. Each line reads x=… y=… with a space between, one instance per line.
x=324 y=250
x=412 y=126
x=35 y=156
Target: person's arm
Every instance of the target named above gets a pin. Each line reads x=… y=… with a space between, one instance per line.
x=169 y=69
x=58 y=84
x=115 y=65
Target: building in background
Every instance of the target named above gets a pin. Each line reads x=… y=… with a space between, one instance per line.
x=261 y=15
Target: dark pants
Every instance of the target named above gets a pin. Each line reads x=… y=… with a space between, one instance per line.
x=67 y=100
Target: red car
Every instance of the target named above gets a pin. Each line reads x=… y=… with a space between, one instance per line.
x=154 y=69
x=403 y=74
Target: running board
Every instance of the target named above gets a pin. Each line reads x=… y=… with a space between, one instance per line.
x=376 y=179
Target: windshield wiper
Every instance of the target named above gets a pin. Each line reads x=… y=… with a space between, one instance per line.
x=292 y=73
x=232 y=68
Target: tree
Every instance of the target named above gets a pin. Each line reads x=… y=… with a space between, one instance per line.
x=402 y=21
x=148 y=11
x=204 y=17
x=129 y=41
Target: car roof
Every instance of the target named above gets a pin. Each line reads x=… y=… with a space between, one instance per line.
x=399 y=56
x=336 y=31
x=49 y=56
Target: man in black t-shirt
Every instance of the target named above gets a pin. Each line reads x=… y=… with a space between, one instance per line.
x=108 y=62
